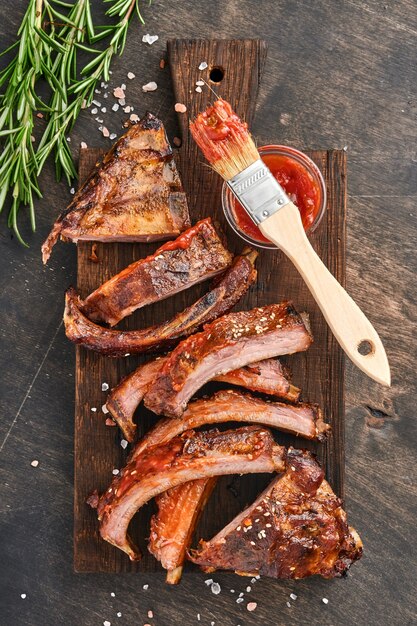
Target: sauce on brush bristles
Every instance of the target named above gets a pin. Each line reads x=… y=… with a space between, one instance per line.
x=224 y=139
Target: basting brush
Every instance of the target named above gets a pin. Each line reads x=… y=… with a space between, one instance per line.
x=228 y=146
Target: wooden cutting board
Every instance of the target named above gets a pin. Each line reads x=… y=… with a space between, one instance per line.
x=319 y=372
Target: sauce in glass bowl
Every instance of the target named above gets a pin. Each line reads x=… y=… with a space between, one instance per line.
x=301 y=180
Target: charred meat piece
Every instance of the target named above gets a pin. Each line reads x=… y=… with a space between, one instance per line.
x=190 y=457
x=230 y=342
x=268 y=376
x=230 y=287
x=296 y=528
x=304 y=420
x=179 y=510
x=124 y=399
x=135 y=194
x=195 y=256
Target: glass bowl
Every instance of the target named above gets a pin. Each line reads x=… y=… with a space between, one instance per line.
x=310 y=167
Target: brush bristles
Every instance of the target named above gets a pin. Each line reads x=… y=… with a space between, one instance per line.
x=224 y=140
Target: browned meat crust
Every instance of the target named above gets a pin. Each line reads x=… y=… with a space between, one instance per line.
x=230 y=342
x=196 y=255
x=268 y=376
x=190 y=457
x=172 y=528
x=135 y=194
x=303 y=420
x=218 y=300
x=296 y=528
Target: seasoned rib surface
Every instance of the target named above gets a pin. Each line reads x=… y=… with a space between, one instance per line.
x=135 y=194
x=189 y=457
x=218 y=300
x=196 y=255
x=304 y=420
x=230 y=342
x=296 y=528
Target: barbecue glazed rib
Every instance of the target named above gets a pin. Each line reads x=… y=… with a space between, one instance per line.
x=125 y=398
x=268 y=376
x=196 y=255
x=303 y=420
x=230 y=342
x=135 y=194
x=189 y=457
x=218 y=300
x=172 y=527
x=296 y=528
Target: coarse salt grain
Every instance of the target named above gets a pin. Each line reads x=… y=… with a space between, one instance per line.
x=239 y=600
x=34 y=463
x=93 y=408
x=325 y=601
x=119 y=614
x=112 y=594
x=122 y=102
x=106 y=623
x=251 y=606
x=145 y=587
x=150 y=614
x=198 y=617
x=106 y=132
x=152 y=86
x=94 y=111
x=127 y=109
x=209 y=581
x=288 y=604
x=180 y=107
x=203 y=66
x=83 y=145
x=200 y=83
x=293 y=596
x=123 y=443
x=97 y=103
x=103 y=110
x=104 y=386
x=131 y=75
x=104 y=409
x=150 y=39
x=23 y=596
x=113 y=136
x=109 y=422
x=198 y=89
x=115 y=106
x=216 y=589
x=248 y=589
x=134 y=117
x=118 y=92
x=115 y=472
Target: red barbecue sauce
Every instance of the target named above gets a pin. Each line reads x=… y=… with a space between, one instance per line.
x=299 y=185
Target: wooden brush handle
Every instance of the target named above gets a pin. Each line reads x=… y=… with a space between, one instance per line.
x=348 y=323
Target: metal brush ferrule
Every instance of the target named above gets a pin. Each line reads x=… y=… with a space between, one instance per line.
x=258 y=191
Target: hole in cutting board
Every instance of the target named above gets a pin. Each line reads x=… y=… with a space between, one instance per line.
x=216 y=74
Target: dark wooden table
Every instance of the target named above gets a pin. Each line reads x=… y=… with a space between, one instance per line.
x=338 y=74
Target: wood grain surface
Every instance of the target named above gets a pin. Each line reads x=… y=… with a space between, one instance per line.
x=277 y=280
x=344 y=77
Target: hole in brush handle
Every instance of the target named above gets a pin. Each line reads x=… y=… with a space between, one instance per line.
x=366 y=347
x=216 y=74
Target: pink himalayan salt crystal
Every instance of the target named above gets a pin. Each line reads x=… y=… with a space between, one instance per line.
x=118 y=92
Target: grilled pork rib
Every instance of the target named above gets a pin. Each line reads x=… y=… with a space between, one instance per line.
x=304 y=420
x=296 y=528
x=196 y=255
x=268 y=376
x=179 y=510
x=190 y=457
x=135 y=194
x=218 y=300
x=125 y=398
x=230 y=342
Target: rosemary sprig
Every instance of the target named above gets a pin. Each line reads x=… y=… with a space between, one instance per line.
x=51 y=34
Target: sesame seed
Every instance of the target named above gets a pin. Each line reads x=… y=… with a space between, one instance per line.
x=198 y=617
x=268 y=525
x=239 y=600
x=249 y=589
x=288 y=604
x=253 y=543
